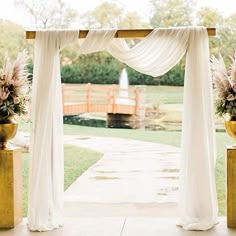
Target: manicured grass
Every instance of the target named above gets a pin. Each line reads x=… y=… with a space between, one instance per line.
x=143 y=135
x=164 y=94
x=77 y=161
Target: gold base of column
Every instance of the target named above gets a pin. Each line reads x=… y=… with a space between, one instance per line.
x=10 y=187
x=231 y=186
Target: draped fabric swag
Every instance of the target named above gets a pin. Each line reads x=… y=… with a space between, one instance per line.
x=154 y=55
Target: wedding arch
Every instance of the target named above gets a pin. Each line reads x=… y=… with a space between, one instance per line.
x=157 y=53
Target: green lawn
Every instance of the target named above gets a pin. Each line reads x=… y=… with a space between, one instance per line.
x=164 y=95
x=77 y=160
x=143 y=135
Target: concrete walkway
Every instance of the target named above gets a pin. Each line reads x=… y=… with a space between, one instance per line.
x=120 y=226
x=133 y=178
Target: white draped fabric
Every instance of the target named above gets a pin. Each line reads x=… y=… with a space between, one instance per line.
x=154 y=55
x=46 y=178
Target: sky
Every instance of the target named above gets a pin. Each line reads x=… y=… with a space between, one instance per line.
x=8 y=10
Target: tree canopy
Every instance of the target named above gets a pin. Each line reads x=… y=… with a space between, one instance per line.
x=47 y=14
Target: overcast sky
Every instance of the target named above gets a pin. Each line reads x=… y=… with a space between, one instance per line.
x=8 y=10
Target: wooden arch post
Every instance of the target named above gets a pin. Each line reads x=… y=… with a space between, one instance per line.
x=124 y=33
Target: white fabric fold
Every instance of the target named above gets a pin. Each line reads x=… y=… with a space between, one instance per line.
x=154 y=55
x=96 y=40
x=198 y=201
x=46 y=166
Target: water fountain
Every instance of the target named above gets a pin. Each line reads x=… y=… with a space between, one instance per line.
x=123 y=96
x=123 y=86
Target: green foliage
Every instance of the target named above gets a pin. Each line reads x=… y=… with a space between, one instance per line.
x=106 y=15
x=48 y=14
x=225 y=107
x=100 y=73
x=132 y=21
x=102 y=68
x=209 y=17
x=11 y=40
x=109 y=74
x=30 y=68
x=171 y=13
x=220 y=107
x=70 y=74
x=112 y=15
x=174 y=77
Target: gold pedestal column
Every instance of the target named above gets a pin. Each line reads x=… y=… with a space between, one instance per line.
x=231 y=187
x=10 y=187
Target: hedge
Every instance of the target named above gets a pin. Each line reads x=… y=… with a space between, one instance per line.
x=106 y=70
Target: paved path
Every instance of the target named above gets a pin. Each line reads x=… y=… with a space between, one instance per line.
x=120 y=226
x=132 y=178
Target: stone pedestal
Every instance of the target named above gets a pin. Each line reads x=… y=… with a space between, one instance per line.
x=140 y=113
x=10 y=187
x=231 y=187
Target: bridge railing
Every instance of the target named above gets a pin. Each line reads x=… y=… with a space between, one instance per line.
x=96 y=98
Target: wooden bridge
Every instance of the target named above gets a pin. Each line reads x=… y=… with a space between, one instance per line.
x=88 y=98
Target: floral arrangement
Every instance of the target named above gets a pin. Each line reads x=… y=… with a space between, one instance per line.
x=225 y=84
x=14 y=88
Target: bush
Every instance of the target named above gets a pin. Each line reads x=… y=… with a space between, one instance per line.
x=174 y=77
x=102 y=68
x=100 y=74
x=70 y=74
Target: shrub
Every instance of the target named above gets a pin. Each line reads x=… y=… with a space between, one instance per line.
x=102 y=68
x=70 y=74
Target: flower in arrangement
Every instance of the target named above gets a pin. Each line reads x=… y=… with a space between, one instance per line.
x=14 y=88
x=225 y=84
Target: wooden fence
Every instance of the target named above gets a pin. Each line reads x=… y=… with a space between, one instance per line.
x=96 y=98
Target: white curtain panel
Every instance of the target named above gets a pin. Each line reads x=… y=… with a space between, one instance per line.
x=198 y=199
x=154 y=55
x=46 y=178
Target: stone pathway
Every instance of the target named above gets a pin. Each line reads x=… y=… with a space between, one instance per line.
x=132 y=178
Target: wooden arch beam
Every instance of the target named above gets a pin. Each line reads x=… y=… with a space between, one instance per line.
x=124 y=33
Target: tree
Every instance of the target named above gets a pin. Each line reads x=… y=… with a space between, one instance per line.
x=112 y=15
x=106 y=15
x=46 y=14
x=12 y=39
x=171 y=13
x=225 y=40
x=132 y=21
x=227 y=35
x=210 y=17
